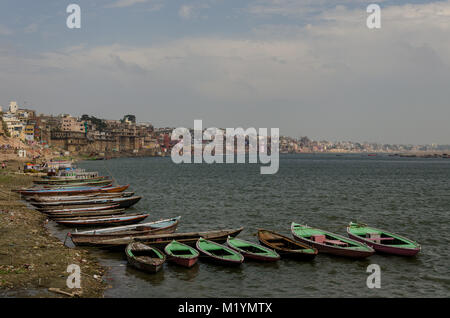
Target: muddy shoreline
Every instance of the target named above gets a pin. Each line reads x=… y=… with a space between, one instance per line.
x=33 y=263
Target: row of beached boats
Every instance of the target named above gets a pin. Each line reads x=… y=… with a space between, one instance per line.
x=83 y=199
x=93 y=201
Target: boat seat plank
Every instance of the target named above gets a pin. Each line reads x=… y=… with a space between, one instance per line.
x=336 y=242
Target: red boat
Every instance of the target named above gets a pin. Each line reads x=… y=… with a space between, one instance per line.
x=181 y=254
x=383 y=241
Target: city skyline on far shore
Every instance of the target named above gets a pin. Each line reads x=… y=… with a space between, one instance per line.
x=309 y=141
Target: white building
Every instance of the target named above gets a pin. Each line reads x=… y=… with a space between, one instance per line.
x=13 y=107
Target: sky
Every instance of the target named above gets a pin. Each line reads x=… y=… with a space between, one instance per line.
x=307 y=67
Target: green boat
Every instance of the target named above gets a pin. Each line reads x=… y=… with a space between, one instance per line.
x=219 y=253
x=181 y=254
x=382 y=241
x=252 y=251
x=331 y=243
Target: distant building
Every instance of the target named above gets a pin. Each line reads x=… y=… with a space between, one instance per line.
x=69 y=123
x=13 y=107
x=13 y=125
x=29 y=132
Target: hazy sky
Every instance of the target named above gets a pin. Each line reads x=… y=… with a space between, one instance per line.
x=308 y=67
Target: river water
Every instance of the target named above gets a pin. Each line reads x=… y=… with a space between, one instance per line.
x=408 y=196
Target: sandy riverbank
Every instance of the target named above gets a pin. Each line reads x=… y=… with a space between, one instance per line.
x=31 y=259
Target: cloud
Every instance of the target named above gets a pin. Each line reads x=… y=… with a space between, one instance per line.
x=4 y=30
x=31 y=28
x=332 y=78
x=185 y=11
x=192 y=11
x=125 y=3
x=303 y=8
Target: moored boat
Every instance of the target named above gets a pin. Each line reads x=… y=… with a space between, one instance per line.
x=382 y=241
x=161 y=240
x=84 y=197
x=81 y=209
x=105 y=221
x=69 y=180
x=285 y=246
x=331 y=243
x=252 y=251
x=78 y=184
x=181 y=254
x=144 y=257
x=219 y=253
x=75 y=191
x=135 y=230
x=125 y=202
x=66 y=215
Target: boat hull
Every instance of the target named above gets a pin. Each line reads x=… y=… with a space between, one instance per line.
x=254 y=256
x=79 y=209
x=152 y=266
x=160 y=241
x=67 y=215
x=83 y=190
x=90 y=239
x=291 y=255
x=381 y=248
x=185 y=262
x=122 y=203
x=294 y=251
x=335 y=251
x=364 y=252
x=103 y=221
x=218 y=260
x=338 y=252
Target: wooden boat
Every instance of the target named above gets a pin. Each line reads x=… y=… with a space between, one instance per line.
x=84 y=197
x=86 y=218
x=120 y=202
x=144 y=257
x=67 y=215
x=68 y=181
x=161 y=240
x=79 y=174
x=285 y=246
x=382 y=241
x=81 y=209
x=136 y=230
x=327 y=242
x=105 y=221
x=219 y=253
x=181 y=254
x=252 y=251
x=78 y=184
x=74 y=191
